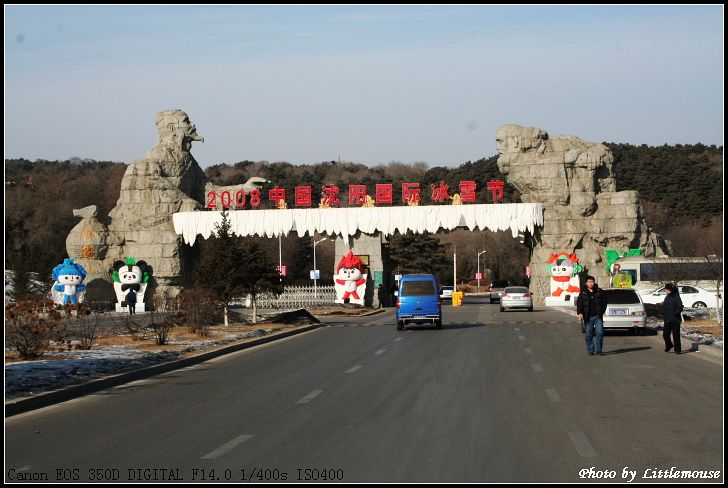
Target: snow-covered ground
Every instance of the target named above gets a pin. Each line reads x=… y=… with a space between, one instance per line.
x=31 y=377
x=688 y=331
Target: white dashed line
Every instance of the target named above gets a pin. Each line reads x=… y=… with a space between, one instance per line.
x=381 y=351
x=516 y=329
x=582 y=445
x=521 y=338
x=226 y=447
x=537 y=368
x=310 y=396
x=528 y=350
x=352 y=369
x=553 y=395
x=398 y=339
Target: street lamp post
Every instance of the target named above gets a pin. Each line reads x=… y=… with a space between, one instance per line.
x=481 y=252
x=315 y=293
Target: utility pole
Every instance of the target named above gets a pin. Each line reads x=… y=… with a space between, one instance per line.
x=315 y=293
x=280 y=258
x=481 y=252
x=455 y=268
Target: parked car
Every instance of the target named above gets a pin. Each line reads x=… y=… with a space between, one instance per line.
x=496 y=289
x=691 y=296
x=625 y=310
x=418 y=301
x=446 y=292
x=516 y=297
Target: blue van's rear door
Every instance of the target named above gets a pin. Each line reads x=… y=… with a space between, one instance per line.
x=419 y=297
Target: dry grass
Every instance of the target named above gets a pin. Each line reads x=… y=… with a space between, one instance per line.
x=177 y=334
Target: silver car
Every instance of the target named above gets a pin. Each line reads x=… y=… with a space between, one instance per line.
x=496 y=289
x=625 y=310
x=516 y=297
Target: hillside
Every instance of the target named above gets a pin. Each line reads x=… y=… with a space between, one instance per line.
x=681 y=188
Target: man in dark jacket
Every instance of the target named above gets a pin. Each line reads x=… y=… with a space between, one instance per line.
x=671 y=308
x=591 y=305
x=131 y=300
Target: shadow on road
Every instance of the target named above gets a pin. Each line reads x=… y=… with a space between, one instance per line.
x=444 y=326
x=627 y=349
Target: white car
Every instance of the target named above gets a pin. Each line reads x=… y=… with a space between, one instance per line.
x=625 y=310
x=691 y=296
x=446 y=292
x=516 y=297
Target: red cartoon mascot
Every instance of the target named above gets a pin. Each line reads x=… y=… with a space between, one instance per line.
x=350 y=281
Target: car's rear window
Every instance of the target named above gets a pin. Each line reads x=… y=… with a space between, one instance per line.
x=516 y=289
x=499 y=284
x=416 y=288
x=622 y=297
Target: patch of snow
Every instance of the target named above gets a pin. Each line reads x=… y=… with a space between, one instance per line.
x=25 y=378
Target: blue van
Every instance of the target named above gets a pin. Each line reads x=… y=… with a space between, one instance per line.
x=418 y=301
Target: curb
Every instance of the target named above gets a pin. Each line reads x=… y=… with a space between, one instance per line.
x=15 y=407
x=687 y=344
x=368 y=314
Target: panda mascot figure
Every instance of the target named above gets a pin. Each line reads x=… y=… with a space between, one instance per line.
x=130 y=275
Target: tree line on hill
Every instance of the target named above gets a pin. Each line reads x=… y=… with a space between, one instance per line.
x=680 y=188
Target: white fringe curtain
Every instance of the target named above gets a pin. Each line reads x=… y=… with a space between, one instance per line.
x=518 y=217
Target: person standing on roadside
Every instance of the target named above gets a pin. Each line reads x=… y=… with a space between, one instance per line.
x=671 y=311
x=591 y=305
x=131 y=299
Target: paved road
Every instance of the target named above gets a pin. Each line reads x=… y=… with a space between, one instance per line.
x=492 y=397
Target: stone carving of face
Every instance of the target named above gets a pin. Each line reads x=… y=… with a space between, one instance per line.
x=514 y=139
x=70 y=279
x=175 y=128
x=503 y=142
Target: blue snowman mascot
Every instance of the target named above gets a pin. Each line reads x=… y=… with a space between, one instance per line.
x=68 y=278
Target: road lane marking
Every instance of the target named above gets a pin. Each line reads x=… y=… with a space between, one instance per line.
x=537 y=368
x=528 y=350
x=582 y=444
x=553 y=395
x=381 y=351
x=310 y=396
x=516 y=329
x=398 y=339
x=521 y=338
x=226 y=447
x=352 y=369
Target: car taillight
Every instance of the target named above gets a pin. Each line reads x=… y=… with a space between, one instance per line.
x=527 y=295
x=638 y=313
x=505 y=295
x=398 y=304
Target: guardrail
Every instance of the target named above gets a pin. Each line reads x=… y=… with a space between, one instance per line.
x=295 y=297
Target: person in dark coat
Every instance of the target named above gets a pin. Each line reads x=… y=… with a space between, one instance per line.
x=671 y=311
x=591 y=305
x=131 y=299
x=380 y=295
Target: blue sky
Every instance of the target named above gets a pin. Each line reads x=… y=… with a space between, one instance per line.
x=371 y=84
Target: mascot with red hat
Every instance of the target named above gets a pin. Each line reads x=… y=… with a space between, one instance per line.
x=350 y=281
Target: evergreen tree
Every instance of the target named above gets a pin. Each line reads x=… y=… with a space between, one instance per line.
x=259 y=273
x=419 y=253
x=21 y=275
x=302 y=260
x=223 y=268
